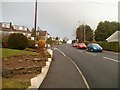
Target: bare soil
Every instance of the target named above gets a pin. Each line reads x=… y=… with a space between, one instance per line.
x=23 y=61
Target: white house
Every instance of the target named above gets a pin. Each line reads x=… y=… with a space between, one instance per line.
x=8 y=28
x=115 y=37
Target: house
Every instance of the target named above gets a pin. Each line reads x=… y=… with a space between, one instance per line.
x=8 y=28
x=22 y=29
x=41 y=35
x=115 y=37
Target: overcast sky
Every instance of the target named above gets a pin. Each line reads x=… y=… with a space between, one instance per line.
x=59 y=17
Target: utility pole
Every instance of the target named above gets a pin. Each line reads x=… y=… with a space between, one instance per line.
x=35 y=22
x=81 y=32
x=84 y=33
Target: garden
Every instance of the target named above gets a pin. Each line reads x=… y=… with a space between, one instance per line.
x=21 y=61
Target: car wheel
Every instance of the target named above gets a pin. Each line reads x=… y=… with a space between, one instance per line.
x=91 y=50
x=87 y=49
x=101 y=51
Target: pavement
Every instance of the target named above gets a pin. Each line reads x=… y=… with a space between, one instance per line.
x=62 y=74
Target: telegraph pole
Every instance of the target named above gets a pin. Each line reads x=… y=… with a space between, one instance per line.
x=84 y=33
x=35 y=22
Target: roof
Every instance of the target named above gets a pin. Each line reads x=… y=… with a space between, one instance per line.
x=14 y=30
x=114 y=37
x=43 y=33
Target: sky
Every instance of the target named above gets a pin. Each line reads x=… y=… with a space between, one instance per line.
x=59 y=17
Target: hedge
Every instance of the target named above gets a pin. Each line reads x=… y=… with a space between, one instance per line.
x=31 y=44
x=110 y=46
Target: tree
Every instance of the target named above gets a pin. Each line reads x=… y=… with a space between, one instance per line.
x=41 y=44
x=57 y=38
x=65 y=39
x=80 y=33
x=49 y=41
x=17 y=41
x=33 y=32
x=105 y=29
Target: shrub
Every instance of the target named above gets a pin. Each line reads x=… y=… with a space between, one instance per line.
x=17 y=41
x=31 y=44
x=41 y=43
x=5 y=41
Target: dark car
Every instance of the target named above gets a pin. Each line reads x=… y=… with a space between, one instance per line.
x=93 y=47
x=81 y=46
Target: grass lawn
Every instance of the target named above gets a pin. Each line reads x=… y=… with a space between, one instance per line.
x=12 y=52
x=11 y=83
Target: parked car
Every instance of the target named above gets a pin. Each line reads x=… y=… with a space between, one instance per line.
x=81 y=46
x=75 y=44
x=93 y=47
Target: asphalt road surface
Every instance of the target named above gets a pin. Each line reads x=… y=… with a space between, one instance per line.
x=62 y=74
x=99 y=69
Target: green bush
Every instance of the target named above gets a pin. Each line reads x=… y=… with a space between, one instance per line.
x=5 y=41
x=31 y=44
x=110 y=46
x=17 y=41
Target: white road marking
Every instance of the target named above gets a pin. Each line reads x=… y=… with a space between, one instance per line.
x=61 y=52
x=111 y=59
x=55 y=48
x=85 y=81
x=91 y=54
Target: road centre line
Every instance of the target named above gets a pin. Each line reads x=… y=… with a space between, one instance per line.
x=111 y=59
x=85 y=81
x=91 y=54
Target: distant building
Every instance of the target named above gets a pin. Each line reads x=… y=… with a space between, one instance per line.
x=43 y=35
x=8 y=28
x=69 y=42
x=115 y=37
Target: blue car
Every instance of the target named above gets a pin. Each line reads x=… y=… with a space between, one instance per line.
x=93 y=47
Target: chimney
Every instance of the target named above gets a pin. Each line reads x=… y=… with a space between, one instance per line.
x=11 y=25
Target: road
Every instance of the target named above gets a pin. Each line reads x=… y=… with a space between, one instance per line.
x=62 y=74
x=99 y=69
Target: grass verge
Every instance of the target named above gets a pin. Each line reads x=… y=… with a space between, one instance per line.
x=12 y=52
